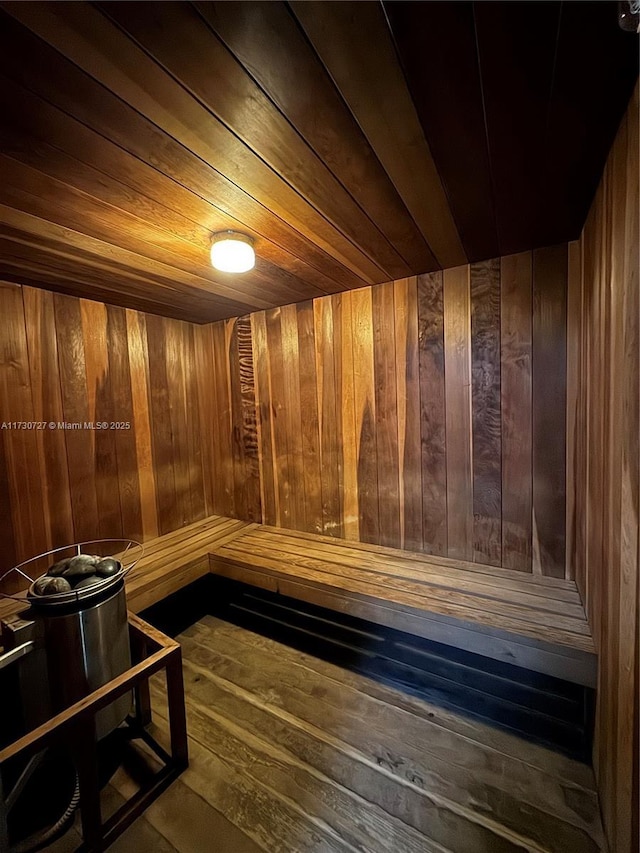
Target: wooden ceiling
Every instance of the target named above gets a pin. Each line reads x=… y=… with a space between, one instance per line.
x=356 y=142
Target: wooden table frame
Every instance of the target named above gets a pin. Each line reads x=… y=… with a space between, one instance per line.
x=74 y=729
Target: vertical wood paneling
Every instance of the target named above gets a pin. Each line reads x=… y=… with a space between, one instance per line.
x=408 y=378
x=346 y=403
x=75 y=407
x=139 y=377
x=457 y=354
x=168 y=513
x=124 y=437
x=309 y=417
x=47 y=405
x=292 y=412
x=515 y=388
x=23 y=463
x=268 y=494
x=386 y=420
x=99 y=392
x=549 y=408
x=605 y=543
x=574 y=321
x=278 y=418
x=357 y=415
x=487 y=432
x=364 y=398
x=223 y=427
x=327 y=409
x=118 y=394
x=432 y=413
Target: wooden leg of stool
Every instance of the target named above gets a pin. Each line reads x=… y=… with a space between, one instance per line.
x=177 y=716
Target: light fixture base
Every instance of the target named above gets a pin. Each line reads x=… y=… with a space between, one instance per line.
x=232 y=251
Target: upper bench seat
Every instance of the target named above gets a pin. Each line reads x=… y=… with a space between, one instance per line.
x=528 y=620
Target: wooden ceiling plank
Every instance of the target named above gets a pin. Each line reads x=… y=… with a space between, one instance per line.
x=27 y=189
x=437 y=49
x=79 y=283
x=63 y=259
x=77 y=94
x=115 y=231
x=143 y=278
x=266 y=40
x=84 y=36
x=178 y=40
x=353 y=42
x=581 y=126
x=63 y=266
x=37 y=133
x=516 y=76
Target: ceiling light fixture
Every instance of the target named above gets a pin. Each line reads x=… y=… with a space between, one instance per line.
x=232 y=251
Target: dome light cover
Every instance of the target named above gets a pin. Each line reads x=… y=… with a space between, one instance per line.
x=232 y=251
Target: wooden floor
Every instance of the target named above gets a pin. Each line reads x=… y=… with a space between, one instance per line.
x=290 y=754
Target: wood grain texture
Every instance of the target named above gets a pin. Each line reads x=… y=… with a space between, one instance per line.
x=386 y=397
x=409 y=445
x=370 y=79
x=487 y=432
x=549 y=408
x=70 y=366
x=293 y=772
x=432 y=413
x=457 y=355
x=604 y=555
x=400 y=414
x=515 y=378
x=134 y=138
x=355 y=416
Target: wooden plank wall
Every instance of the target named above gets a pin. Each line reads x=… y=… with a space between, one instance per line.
x=64 y=359
x=399 y=414
x=427 y=413
x=603 y=475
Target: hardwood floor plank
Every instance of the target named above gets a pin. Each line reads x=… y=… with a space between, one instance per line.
x=480 y=736
x=239 y=682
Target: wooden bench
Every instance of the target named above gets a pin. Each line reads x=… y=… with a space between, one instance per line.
x=530 y=621
x=169 y=562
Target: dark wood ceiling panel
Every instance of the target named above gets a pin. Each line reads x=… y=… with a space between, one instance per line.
x=266 y=40
x=84 y=36
x=43 y=136
x=37 y=194
x=179 y=40
x=175 y=122
x=78 y=95
x=516 y=77
x=352 y=40
x=437 y=47
x=353 y=141
x=595 y=75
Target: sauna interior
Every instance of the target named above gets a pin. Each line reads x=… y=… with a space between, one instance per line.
x=373 y=501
